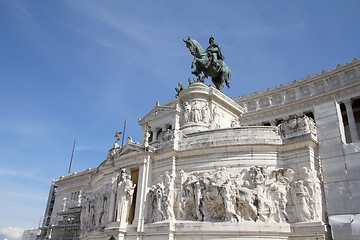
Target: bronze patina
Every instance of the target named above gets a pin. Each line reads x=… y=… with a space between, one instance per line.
x=209 y=62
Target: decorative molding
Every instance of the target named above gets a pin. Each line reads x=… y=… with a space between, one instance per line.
x=315 y=88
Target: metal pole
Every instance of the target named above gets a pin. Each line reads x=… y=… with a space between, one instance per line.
x=72 y=154
x=122 y=144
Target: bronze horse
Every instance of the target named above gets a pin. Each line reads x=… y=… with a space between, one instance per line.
x=218 y=72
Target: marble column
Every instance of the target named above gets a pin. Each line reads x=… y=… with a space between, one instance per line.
x=352 y=125
x=143 y=179
x=143 y=134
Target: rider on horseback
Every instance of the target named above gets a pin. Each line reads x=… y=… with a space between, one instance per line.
x=218 y=71
x=214 y=53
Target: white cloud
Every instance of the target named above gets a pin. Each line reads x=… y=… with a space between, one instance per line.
x=21 y=127
x=12 y=233
x=25 y=195
x=28 y=28
x=19 y=11
x=125 y=24
x=29 y=174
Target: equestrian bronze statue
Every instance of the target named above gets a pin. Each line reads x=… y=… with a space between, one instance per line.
x=209 y=62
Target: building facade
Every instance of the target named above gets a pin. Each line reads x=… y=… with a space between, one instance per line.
x=279 y=164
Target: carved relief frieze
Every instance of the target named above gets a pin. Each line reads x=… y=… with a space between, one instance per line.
x=277 y=99
x=206 y=114
x=251 y=106
x=196 y=112
x=304 y=91
x=199 y=112
x=313 y=86
x=95 y=209
x=334 y=81
x=215 y=118
x=255 y=194
x=235 y=122
x=167 y=135
x=350 y=75
x=110 y=203
x=161 y=199
x=121 y=196
x=290 y=95
x=264 y=102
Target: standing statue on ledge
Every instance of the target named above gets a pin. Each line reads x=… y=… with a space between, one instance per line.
x=209 y=62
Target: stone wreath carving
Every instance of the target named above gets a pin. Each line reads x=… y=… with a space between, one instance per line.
x=255 y=194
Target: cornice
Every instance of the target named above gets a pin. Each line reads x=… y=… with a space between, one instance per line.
x=76 y=177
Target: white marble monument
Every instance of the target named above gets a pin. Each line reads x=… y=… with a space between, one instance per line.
x=281 y=164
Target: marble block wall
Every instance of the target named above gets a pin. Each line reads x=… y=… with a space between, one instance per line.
x=341 y=170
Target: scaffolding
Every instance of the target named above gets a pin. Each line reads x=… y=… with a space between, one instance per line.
x=66 y=229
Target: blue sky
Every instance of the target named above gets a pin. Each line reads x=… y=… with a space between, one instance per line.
x=76 y=69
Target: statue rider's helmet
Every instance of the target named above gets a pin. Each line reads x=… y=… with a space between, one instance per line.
x=211 y=40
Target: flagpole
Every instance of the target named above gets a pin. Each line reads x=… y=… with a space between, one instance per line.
x=122 y=144
x=72 y=154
